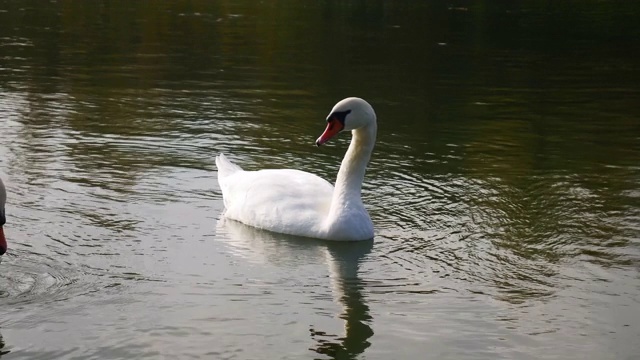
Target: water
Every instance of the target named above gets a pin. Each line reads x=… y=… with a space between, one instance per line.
x=504 y=187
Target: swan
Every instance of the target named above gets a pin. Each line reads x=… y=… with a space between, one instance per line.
x=299 y=203
x=3 y=199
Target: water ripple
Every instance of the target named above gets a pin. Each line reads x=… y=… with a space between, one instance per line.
x=507 y=238
x=35 y=278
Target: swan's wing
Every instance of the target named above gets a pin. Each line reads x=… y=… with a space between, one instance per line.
x=286 y=201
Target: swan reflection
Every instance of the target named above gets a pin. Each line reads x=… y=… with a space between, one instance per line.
x=343 y=260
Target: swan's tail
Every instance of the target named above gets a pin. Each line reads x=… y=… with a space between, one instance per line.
x=225 y=167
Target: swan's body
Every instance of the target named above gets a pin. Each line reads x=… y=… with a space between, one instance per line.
x=300 y=203
x=3 y=198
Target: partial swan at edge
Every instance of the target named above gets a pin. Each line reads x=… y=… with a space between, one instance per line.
x=3 y=199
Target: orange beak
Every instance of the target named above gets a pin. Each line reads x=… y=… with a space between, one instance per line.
x=3 y=242
x=334 y=126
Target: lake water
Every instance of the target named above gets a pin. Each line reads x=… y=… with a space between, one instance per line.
x=504 y=186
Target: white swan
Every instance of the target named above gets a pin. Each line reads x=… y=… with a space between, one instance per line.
x=3 y=199
x=299 y=203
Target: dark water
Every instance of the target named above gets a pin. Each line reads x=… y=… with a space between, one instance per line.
x=504 y=188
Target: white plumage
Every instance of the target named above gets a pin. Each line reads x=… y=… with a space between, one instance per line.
x=300 y=203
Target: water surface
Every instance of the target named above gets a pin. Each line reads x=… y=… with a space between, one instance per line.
x=504 y=187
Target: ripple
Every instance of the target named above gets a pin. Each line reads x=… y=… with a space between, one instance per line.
x=508 y=237
x=30 y=277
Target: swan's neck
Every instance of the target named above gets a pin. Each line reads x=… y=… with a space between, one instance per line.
x=348 y=185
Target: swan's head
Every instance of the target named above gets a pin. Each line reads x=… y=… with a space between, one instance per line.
x=3 y=198
x=348 y=114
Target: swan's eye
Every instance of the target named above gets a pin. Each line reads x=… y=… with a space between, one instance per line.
x=339 y=115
